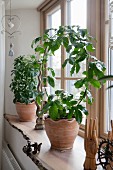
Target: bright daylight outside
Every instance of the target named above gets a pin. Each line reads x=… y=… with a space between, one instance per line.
x=78 y=16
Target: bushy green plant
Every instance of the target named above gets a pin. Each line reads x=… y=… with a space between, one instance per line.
x=62 y=105
x=79 y=46
x=24 y=81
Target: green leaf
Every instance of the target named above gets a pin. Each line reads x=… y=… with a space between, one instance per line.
x=68 y=48
x=39 y=49
x=90 y=73
x=79 y=83
x=83 y=32
x=53 y=112
x=89 y=96
x=71 y=60
x=59 y=92
x=38 y=100
x=90 y=48
x=70 y=114
x=51 y=97
x=72 y=70
x=35 y=41
x=65 y=63
x=51 y=81
x=46 y=107
x=95 y=83
x=83 y=109
x=77 y=67
x=58 y=104
x=65 y=42
x=78 y=115
x=52 y=71
x=73 y=102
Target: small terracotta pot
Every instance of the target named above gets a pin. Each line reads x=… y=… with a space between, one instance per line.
x=26 y=112
x=61 y=133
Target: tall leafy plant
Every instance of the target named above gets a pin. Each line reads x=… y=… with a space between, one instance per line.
x=24 y=81
x=79 y=46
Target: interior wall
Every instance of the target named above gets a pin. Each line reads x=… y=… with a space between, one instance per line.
x=30 y=29
x=2 y=75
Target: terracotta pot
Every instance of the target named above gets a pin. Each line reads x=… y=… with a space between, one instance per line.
x=61 y=133
x=26 y=112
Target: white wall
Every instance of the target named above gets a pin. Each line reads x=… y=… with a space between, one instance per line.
x=30 y=29
x=2 y=75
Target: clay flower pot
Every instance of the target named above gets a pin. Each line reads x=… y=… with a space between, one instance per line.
x=26 y=112
x=61 y=133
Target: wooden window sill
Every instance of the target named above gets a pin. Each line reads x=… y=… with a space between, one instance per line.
x=48 y=158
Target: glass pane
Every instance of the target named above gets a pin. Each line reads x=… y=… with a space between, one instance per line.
x=57 y=86
x=54 y=21
x=79 y=13
x=109 y=92
x=55 y=63
x=111 y=29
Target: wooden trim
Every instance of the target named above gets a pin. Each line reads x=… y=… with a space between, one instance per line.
x=52 y=8
x=63 y=52
x=46 y=4
x=43 y=12
x=102 y=94
x=42 y=23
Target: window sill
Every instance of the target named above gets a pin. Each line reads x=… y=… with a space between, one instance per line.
x=47 y=158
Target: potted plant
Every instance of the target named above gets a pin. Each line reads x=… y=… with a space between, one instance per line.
x=79 y=46
x=24 y=86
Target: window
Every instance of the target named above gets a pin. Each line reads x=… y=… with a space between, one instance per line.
x=108 y=109
x=85 y=13
x=54 y=21
x=74 y=8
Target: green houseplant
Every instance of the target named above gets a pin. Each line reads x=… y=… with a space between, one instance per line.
x=24 y=86
x=79 y=46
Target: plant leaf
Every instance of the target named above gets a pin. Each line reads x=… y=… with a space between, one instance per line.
x=90 y=48
x=95 y=83
x=51 y=81
x=53 y=111
x=79 y=83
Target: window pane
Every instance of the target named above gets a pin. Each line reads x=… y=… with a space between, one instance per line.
x=76 y=17
x=55 y=63
x=54 y=21
x=79 y=13
x=109 y=92
x=109 y=62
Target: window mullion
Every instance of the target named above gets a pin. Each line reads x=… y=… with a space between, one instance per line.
x=63 y=52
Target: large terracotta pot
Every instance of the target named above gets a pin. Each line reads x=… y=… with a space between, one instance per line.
x=26 y=112
x=61 y=133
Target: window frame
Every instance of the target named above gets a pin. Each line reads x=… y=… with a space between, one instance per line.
x=94 y=26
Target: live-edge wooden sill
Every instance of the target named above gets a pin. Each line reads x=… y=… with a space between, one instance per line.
x=47 y=158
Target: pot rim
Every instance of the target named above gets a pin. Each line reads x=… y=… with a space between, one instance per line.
x=19 y=103
x=61 y=120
